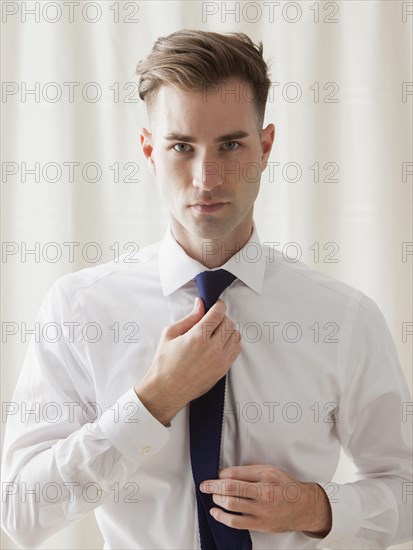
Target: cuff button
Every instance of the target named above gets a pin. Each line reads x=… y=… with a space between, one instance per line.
x=146 y=450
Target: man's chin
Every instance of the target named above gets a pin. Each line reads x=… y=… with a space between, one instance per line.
x=210 y=228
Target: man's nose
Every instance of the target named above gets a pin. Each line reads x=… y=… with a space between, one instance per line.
x=208 y=175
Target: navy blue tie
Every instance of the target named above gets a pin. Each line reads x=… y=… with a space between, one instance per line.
x=205 y=428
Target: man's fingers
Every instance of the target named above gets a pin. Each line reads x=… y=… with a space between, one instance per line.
x=186 y=323
x=231 y=337
x=233 y=520
x=212 y=319
x=235 y=488
x=235 y=504
x=216 y=313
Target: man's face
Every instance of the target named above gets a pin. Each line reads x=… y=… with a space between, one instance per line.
x=205 y=149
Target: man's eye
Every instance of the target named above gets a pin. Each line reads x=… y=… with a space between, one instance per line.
x=181 y=145
x=232 y=143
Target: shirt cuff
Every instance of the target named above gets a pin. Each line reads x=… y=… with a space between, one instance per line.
x=346 y=516
x=132 y=429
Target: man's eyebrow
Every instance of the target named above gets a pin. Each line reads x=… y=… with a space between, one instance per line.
x=175 y=136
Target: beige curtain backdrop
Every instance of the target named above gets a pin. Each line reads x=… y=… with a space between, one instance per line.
x=76 y=190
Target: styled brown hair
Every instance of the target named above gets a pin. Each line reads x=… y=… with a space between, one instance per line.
x=195 y=60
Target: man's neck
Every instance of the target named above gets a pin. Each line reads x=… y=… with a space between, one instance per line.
x=213 y=253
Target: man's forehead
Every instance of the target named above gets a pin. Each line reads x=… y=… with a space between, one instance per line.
x=174 y=101
x=181 y=112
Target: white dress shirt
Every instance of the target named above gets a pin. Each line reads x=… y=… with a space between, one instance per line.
x=318 y=371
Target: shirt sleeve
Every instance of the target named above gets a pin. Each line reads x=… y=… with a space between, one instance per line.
x=374 y=425
x=61 y=458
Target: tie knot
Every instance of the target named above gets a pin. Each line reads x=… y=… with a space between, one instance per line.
x=211 y=284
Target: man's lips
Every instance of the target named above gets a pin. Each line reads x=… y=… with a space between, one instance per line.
x=208 y=206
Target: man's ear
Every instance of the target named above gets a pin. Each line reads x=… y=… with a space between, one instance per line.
x=267 y=141
x=145 y=138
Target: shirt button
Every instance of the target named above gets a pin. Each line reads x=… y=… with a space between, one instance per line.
x=146 y=450
x=101 y=493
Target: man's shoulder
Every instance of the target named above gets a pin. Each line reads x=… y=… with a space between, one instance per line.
x=135 y=261
x=301 y=279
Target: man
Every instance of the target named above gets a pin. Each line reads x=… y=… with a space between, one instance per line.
x=317 y=372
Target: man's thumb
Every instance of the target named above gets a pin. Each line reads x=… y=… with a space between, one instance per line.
x=187 y=322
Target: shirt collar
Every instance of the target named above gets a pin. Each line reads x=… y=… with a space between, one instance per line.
x=176 y=268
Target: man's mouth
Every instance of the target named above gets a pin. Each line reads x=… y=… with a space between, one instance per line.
x=207 y=207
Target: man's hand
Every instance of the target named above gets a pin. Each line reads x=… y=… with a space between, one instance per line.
x=192 y=355
x=269 y=500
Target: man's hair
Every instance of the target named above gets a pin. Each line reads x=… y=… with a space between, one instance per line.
x=194 y=60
